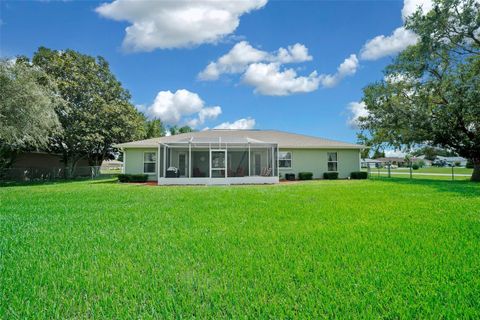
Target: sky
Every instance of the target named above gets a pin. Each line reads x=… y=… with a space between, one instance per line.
x=297 y=66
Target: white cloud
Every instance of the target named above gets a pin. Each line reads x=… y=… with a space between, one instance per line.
x=411 y=6
x=204 y=114
x=356 y=110
x=382 y=46
x=243 y=54
x=268 y=79
x=243 y=124
x=347 y=68
x=174 y=107
x=175 y=24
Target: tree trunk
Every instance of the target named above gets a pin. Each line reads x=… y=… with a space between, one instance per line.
x=476 y=170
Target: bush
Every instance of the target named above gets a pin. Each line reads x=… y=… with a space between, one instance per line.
x=290 y=176
x=330 y=175
x=415 y=166
x=305 y=175
x=132 y=177
x=359 y=175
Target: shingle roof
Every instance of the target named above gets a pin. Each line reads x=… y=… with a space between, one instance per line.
x=284 y=139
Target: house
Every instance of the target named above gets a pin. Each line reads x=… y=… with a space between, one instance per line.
x=396 y=161
x=37 y=165
x=237 y=157
x=371 y=163
x=450 y=161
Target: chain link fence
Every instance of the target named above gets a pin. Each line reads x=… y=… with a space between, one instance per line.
x=411 y=172
x=48 y=174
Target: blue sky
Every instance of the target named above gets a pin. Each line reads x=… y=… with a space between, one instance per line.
x=161 y=68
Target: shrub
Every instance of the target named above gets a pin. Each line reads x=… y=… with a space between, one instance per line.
x=290 y=176
x=330 y=175
x=415 y=166
x=305 y=175
x=359 y=175
x=132 y=177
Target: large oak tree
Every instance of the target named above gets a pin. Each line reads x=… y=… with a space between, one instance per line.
x=431 y=92
x=97 y=112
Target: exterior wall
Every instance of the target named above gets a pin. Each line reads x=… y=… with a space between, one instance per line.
x=315 y=161
x=133 y=161
x=43 y=160
x=303 y=160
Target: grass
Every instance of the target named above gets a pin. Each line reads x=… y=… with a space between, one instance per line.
x=347 y=249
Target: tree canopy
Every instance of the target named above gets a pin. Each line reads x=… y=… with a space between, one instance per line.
x=27 y=109
x=430 y=94
x=97 y=112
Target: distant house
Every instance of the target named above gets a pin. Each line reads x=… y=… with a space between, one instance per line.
x=371 y=163
x=450 y=161
x=396 y=161
x=237 y=157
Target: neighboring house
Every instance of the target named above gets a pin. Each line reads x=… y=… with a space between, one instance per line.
x=111 y=165
x=450 y=161
x=237 y=157
x=397 y=161
x=42 y=160
x=371 y=163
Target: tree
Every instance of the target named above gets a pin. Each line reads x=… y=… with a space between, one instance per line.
x=154 y=128
x=27 y=110
x=97 y=113
x=431 y=92
x=431 y=153
x=174 y=130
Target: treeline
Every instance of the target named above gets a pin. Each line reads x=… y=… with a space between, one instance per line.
x=67 y=103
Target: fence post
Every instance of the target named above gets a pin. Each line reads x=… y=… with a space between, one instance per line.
x=410 y=169
x=453 y=174
x=368 y=170
x=389 y=173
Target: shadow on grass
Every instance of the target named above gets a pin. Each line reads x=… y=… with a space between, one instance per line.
x=102 y=179
x=464 y=187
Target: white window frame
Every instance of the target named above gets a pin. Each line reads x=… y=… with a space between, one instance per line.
x=336 y=162
x=279 y=159
x=155 y=162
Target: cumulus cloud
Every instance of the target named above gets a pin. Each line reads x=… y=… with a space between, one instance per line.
x=176 y=24
x=268 y=79
x=382 y=46
x=265 y=71
x=347 y=68
x=243 y=54
x=356 y=111
x=181 y=106
x=243 y=124
x=411 y=6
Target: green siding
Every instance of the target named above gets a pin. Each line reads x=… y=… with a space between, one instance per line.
x=134 y=161
x=315 y=161
x=303 y=160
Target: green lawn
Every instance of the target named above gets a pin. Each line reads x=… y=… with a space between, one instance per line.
x=348 y=249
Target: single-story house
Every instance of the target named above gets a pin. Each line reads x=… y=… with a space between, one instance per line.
x=450 y=161
x=396 y=161
x=237 y=157
x=371 y=163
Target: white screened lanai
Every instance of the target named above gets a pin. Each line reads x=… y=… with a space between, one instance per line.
x=222 y=160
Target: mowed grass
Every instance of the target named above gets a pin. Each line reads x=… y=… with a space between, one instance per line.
x=347 y=249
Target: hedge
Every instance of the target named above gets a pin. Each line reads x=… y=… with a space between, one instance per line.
x=290 y=176
x=305 y=175
x=359 y=175
x=330 y=175
x=132 y=177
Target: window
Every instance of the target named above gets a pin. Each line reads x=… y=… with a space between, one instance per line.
x=285 y=160
x=332 y=161
x=149 y=162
